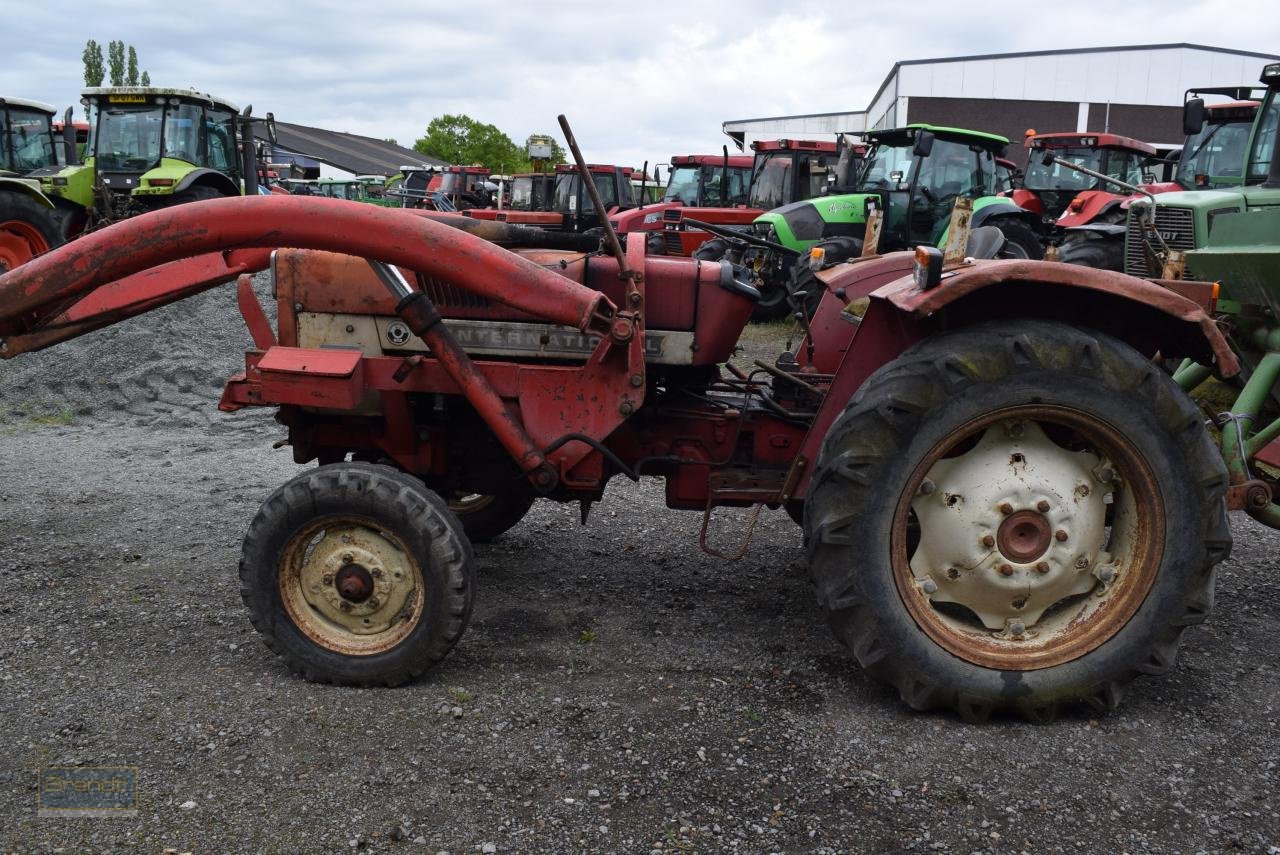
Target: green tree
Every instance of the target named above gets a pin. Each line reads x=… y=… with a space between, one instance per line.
x=460 y=139
x=146 y=79
x=115 y=62
x=93 y=68
x=131 y=77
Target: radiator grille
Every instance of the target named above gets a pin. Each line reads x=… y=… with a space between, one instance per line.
x=447 y=294
x=671 y=244
x=1176 y=226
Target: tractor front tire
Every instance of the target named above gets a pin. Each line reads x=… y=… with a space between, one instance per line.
x=357 y=574
x=1021 y=241
x=1101 y=253
x=27 y=229
x=1016 y=517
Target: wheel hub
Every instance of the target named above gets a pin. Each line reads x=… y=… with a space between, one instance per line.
x=354 y=583
x=1011 y=527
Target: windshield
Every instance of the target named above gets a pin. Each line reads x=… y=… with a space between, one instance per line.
x=886 y=167
x=682 y=186
x=1059 y=177
x=128 y=140
x=28 y=140
x=772 y=180
x=1214 y=157
x=1265 y=140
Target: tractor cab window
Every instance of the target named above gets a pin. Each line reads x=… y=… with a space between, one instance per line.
x=813 y=174
x=682 y=186
x=184 y=124
x=128 y=139
x=624 y=196
x=955 y=169
x=1264 y=141
x=521 y=194
x=220 y=132
x=1123 y=165
x=739 y=182
x=1217 y=152
x=886 y=168
x=1058 y=177
x=608 y=192
x=28 y=140
x=565 y=197
x=772 y=180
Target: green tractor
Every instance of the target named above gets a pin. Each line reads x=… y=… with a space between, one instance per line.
x=1161 y=229
x=912 y=178
x=150 y=148
x=29 y=221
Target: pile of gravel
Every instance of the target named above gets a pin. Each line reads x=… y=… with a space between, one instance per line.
x=163 y=368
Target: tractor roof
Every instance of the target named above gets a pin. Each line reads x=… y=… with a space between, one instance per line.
x=1233 y=110
x=30 y=105
x=797 y=145
x=597 y=168
x=896 y=136
x=741 y=161
x=146 y=93
x=1088 y=139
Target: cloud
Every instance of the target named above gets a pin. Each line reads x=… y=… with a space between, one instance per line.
x=638 y=81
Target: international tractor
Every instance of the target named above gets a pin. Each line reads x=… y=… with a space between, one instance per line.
x=30 y=223
x=912 y=178
x=1212 y=157
x=150 y=148
x=1007 y=505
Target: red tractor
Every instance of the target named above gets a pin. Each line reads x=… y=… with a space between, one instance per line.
x=783 y=171
x=1048 y=189
x=1006 y=504
x=448 y=188
x=695 y=181
x=569 y=208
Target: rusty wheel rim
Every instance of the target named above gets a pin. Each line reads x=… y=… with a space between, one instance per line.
x=19 y=243
x=469 y=503
x=1073 y=502
x=351 y=586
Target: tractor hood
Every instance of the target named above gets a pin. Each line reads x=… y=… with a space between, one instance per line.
x=802 y=224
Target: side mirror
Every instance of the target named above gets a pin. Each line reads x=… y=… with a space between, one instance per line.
x=896 y=176
x=271 y=128
x=1193 y=116
x=657 y=175
x=924 y=144
x=70 y=153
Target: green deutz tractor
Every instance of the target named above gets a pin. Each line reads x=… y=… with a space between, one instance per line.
x=150 y=148
x=1161 y=228
x=29 y=222
x=912 y=177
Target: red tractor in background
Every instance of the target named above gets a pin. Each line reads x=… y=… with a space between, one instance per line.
x=695 y=181
x=1212 y=157
x=783 y=171
x=569 y=208
x=1048 y=190
x=447 y=188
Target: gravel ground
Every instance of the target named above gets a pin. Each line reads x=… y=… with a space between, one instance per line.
x=617 y=691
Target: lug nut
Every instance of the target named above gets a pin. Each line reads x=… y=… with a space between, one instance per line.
x=1060 y=535
x=1105 y=475
x=376 y=572
x=927 y=486
x=347 y=558
x=1043 y=566
x=328 y=579
x=1043 y=506
x=1006 y=508
x=1017 y=629
x=1105 y=574
x=929 y=586
x=988 y=541
x=372 y=602
x=1082 y=562
x=1005 y=570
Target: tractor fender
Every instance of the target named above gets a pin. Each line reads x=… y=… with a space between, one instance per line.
x=1153 y=315
x=1093 y=204
x=1000 y=207
x=1027 y=200
x=26 y=187
x=208 y=178
x=1166 y=316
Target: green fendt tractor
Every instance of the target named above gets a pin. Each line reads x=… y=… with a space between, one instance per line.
x=911 y=177
x=1159 y=230
x=29 y=222
x=150 y=148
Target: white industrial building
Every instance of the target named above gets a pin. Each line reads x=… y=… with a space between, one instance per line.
x=1133 y=90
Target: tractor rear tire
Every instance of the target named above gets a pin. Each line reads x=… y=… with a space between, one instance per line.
x=1102 y=253
x=356 y=574
x=27 y=229
x=910 y=520
x=1021 y=241
x=485 y=517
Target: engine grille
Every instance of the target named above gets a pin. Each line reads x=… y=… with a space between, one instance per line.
x=1175 y=225
x=671 y=215
x=671 y=242
x=447 y=294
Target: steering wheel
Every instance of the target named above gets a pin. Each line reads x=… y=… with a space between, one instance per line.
x=740 y=237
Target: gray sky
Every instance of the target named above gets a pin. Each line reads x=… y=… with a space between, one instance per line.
x=637 y=80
